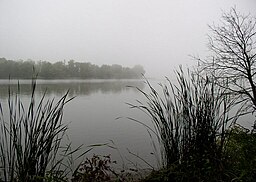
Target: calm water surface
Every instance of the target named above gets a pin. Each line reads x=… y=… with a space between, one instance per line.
x=92 y=115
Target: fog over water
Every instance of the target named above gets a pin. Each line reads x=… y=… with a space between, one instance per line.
x=159 y=35
x=97 y=115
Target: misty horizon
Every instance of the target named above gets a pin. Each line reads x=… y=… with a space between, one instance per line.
x=159 y=35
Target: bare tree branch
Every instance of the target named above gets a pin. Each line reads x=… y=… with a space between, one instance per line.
x=233 y=63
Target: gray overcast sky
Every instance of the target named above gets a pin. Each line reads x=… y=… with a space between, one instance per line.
x=158 y=34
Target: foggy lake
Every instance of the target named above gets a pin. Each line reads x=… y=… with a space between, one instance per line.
x=127 y=90
x=97 y=115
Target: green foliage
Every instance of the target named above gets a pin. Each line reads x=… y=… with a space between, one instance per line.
x=240 y=154
x=19 y=69
x=62 y=70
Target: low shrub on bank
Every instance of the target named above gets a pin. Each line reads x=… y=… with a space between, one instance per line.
x=238 y=162
x=240 y=154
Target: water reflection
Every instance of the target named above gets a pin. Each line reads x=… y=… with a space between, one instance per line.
x=91 y=116
x=75 y=87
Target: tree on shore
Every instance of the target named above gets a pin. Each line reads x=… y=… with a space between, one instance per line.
x=60 y=70
x=233 y=63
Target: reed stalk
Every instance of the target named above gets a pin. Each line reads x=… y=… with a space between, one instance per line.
x=190 y=120
x=30 y=137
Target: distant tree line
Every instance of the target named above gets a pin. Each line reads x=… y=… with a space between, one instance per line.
x=63 y=70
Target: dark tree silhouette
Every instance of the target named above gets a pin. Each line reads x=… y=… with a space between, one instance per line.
x=233 y=63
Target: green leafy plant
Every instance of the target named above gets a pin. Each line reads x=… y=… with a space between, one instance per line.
x=240 y=154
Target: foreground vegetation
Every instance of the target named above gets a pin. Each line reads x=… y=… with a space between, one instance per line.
x=30 y=142
x=196 y=119
x=195 y=124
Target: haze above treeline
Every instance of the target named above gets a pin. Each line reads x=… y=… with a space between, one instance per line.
x=160 y=35
x=66 y=70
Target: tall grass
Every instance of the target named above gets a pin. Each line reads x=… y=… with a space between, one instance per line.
x=30 y=137
x=190 y=121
